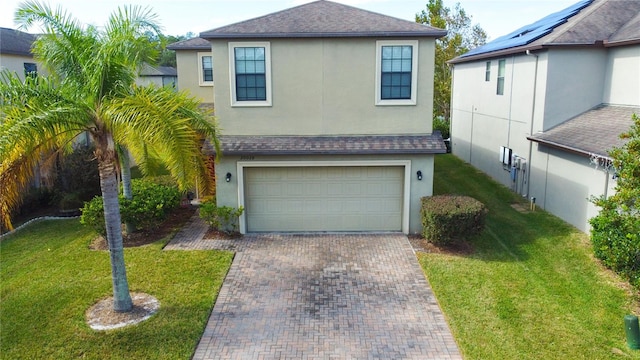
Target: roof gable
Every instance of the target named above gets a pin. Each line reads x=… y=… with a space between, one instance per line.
x=15 y=42
x=323 y=19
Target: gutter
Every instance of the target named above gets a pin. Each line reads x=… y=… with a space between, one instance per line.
x=567 y=148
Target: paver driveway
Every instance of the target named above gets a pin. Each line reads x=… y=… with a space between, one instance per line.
x=325 y=297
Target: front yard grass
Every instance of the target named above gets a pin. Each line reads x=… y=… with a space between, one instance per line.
x=49 y=278
x=531 y=289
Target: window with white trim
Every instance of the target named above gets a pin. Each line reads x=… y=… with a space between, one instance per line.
x=501 y=69
x=250 y=72
x=396 y=72
x=205 y=69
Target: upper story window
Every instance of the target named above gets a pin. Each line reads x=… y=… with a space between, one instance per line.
x=396 y=72
x=205 y=69
x=250 y=73
x=501 y=69
x=30 y=69
x=487 y=71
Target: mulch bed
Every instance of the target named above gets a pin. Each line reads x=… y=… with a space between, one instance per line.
x=174 y=221
x=460 y=248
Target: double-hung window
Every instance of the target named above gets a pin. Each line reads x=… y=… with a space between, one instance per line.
x=205 y=69
x=501 y=69
x=250 y=73
x=396 y=72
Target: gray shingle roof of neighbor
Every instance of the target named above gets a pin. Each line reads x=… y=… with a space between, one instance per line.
x=596 y=23
x=593 y=132
x=331 y=145
x=195 y=43
x=149 y=70
x=323 y=19
x=15 y=42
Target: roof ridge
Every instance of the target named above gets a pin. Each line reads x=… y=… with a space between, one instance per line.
x=573 y=21
x=322 y=18
x=623 y=27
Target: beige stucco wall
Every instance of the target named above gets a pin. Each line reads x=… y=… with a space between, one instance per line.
x=15 y=63
x=187 y=67
x=622 y=81
x=323 y=87
x=227 y=193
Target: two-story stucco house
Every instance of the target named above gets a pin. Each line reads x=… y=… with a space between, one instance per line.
x=326 y=115
x=15 y=52
x=539 y=108
x=194 y=64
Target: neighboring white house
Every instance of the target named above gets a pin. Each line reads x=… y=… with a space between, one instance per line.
x=539 y=108
x=15 y=52
x=325 y=111
x=157 y=75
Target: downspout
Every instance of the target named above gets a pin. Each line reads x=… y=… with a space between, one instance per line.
x=451 y=70
x=533 y=111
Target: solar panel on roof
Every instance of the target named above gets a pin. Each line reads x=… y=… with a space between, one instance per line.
x=531 y=32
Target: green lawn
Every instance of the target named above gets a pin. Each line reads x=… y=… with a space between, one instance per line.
x=531 y=289
x=49 y=278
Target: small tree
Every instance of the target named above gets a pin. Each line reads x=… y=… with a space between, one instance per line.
x=615 y=230
x=462 y=36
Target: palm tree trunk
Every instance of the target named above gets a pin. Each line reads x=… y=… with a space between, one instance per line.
x=109 y=184
x=127 y=192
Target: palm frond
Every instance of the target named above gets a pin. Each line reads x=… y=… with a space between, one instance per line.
x=170 y=125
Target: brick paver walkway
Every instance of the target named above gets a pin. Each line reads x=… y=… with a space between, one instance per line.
x=323 y=296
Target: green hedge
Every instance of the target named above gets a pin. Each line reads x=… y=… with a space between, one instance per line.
x=149 y=206
x=616 y=241
x=446 y=218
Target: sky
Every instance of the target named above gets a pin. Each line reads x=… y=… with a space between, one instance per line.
x=496 y=17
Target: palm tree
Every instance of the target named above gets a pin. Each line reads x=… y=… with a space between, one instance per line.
x=91 y=89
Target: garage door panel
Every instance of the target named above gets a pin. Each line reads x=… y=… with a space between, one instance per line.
x=324 y=198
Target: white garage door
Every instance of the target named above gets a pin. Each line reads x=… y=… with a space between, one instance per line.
x=324 y=198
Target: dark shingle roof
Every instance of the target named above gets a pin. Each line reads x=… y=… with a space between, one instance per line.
x=332 y=145
x=323 y=19
x=148 y=70
x=15 y=42
x=190 y=44
x=593 y=132
x=599 y=23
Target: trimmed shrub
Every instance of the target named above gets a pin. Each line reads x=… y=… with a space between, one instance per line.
x=93 y=215
x=222 y=218
x=150 y=203
x=149 y=207
x=451 y=217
